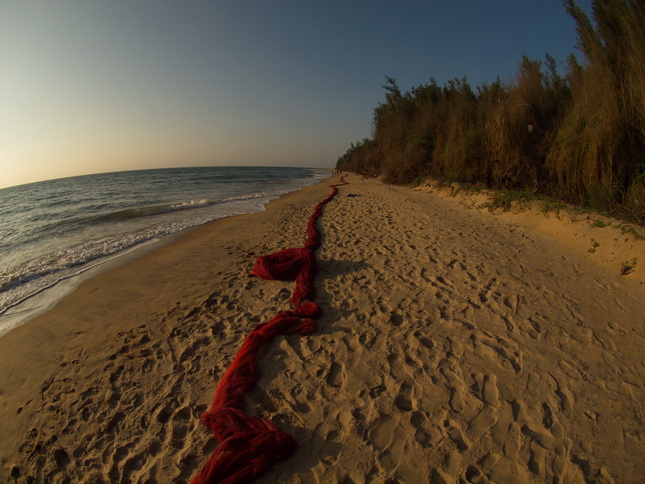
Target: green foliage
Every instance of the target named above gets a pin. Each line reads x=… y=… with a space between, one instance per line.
x=505 y=200
x=629 y=266
x=598 y=223
x=594 y=245
x=416 y=182
x=625 y=229
x=549 y=205
x=578 y=137
x=634 y=203
x=599 y=196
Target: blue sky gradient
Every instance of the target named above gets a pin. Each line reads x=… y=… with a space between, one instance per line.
x=89 y=87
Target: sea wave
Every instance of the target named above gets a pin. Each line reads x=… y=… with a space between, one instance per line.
x=21 y=282
x=140 y=212
x=27 y=279
x=107 y=234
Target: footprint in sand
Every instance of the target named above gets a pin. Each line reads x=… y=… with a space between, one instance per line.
x=483 y=421
x=547 y=416
x=424 y=435
x=62 y=458
x=405 y=399
x=301 y=400
x=454 y=347
x=569 y=370
x=382 y=433
x=330 y=450
x=117 y=457
x=490 y=393
x=457 y=388
x=336 y=376
x=424 y=340
x=537 y=460
x=180 y=422
x=513 y=442
x=567 y=400
x=456 y=435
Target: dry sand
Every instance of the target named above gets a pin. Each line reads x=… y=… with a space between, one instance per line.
x=454 y=346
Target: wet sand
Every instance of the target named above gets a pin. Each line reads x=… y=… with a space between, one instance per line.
x=454 y=344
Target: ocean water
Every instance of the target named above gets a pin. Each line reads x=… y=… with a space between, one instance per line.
x=56 y=230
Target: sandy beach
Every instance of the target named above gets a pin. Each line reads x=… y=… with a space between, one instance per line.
x=455 y=345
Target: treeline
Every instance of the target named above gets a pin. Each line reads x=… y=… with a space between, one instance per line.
x=578 y=137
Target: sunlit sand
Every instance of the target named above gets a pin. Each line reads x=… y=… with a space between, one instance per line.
x=454 y=344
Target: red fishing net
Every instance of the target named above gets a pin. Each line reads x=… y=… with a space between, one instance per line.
x=249 y=446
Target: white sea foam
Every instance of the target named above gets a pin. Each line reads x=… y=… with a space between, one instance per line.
x=69 y=243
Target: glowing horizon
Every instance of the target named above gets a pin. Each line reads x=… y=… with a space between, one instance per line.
x=112 y=86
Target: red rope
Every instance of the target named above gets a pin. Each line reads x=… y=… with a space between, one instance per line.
x=249 y=446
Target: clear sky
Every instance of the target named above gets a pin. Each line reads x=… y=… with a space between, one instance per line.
x=99 y=86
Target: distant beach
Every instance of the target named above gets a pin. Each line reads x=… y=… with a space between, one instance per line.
x=455 y=345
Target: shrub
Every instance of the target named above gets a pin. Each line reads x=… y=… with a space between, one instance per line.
x=579 y=138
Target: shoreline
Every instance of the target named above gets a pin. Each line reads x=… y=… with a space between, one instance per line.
x=448 y=338
x=46 y=298
x=71 y=324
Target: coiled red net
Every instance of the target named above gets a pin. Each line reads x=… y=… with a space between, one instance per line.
x=249 y=446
